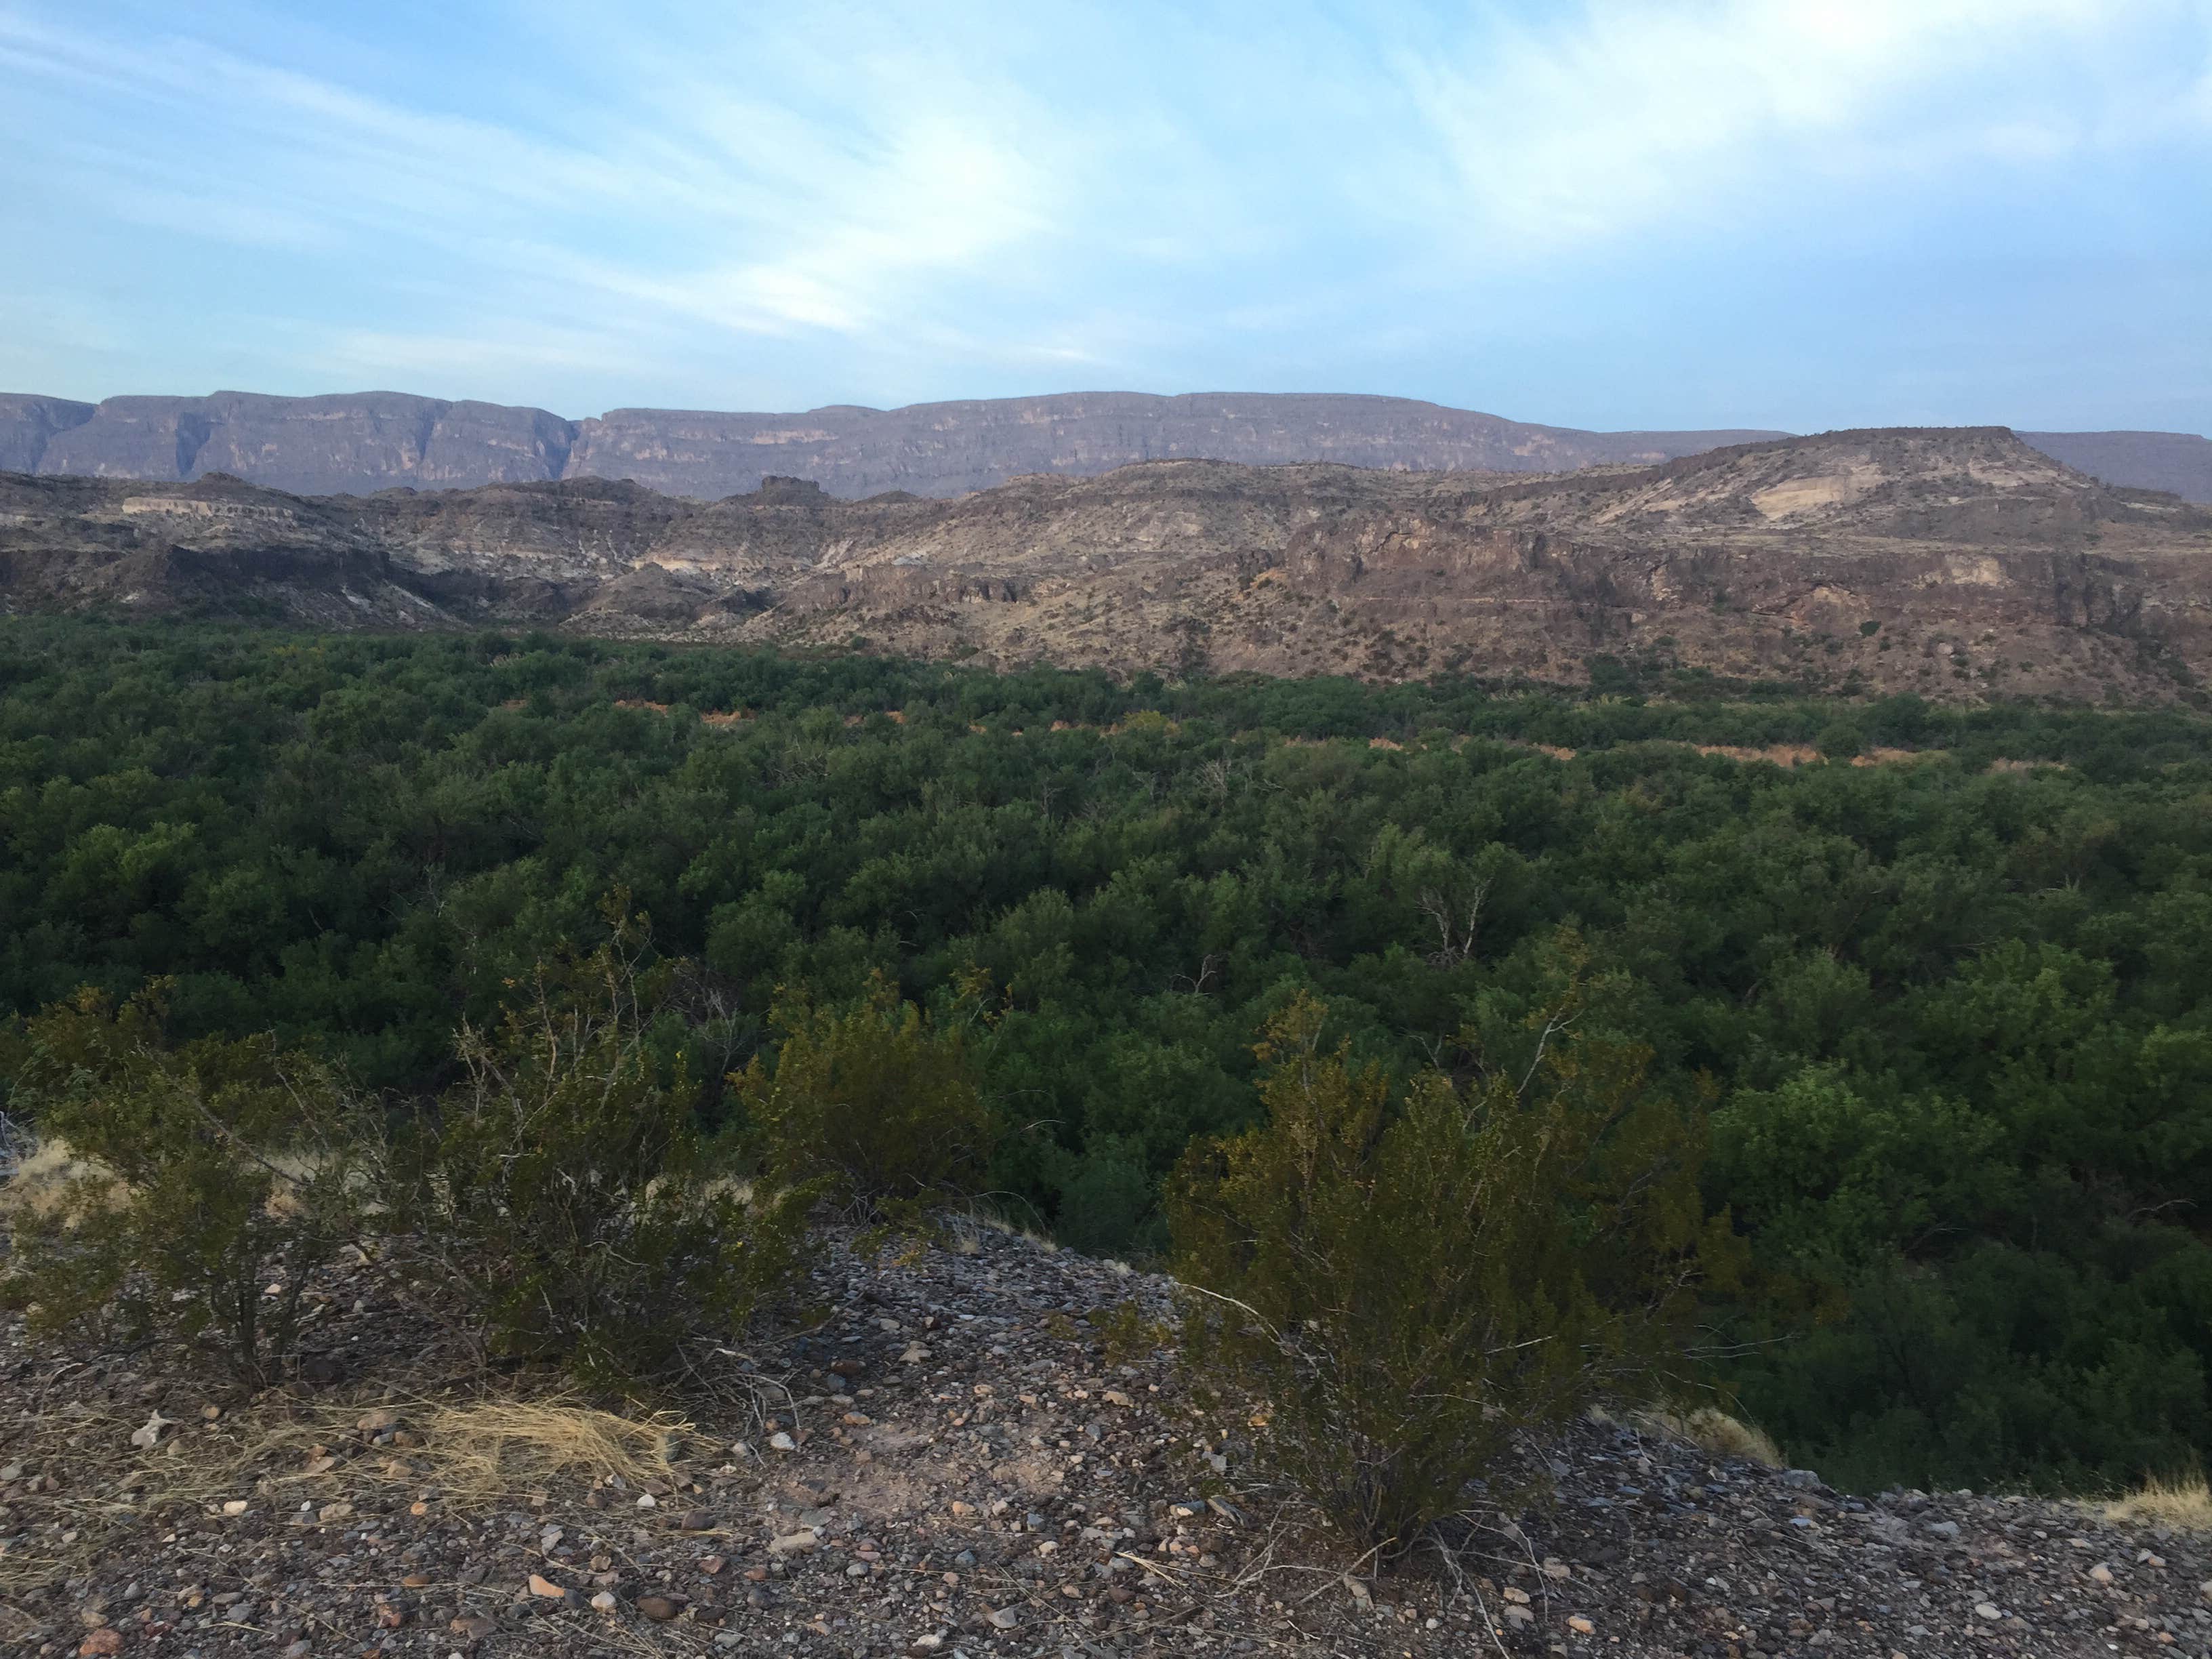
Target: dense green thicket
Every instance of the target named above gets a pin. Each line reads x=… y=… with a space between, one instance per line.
x=1953 y=1025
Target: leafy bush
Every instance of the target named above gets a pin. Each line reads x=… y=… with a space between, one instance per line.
x=1408 y=1283
x=875 y=1104
x=213 y=1180
x=562 y=1187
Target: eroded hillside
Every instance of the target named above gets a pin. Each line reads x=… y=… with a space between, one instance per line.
x=1951 y=562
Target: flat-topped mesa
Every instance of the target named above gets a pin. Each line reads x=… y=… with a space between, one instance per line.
x=358 y=443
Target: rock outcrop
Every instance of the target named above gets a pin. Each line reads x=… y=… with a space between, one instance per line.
x=1951 y=561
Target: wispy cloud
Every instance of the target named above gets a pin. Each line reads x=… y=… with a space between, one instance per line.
x=1599 y=122
x=692 y=200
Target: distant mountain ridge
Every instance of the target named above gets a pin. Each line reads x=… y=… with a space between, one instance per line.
x=2180 y=462
x=357 y=443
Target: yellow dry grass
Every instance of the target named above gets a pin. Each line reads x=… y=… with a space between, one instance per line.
x=492 y=1448
x=481 y=1452
x=42 y=1181
x=2181 y=1502
x=477 y=1454
x=1712 y=1429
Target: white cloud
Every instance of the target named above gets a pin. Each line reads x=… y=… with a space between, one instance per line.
x=934 y=190
x=1604 y=122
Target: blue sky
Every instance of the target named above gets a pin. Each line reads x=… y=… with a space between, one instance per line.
x=1607 y=214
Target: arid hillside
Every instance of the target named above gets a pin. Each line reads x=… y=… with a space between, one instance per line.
x=1953 y=562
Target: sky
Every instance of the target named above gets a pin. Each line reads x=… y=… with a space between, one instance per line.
x=1595 y=213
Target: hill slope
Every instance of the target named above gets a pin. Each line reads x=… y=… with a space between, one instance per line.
x=950 y=1463
x=1953 y=561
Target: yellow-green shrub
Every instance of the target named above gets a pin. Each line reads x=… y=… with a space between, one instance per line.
x=1406 y=1281
x=875 y=1103
x=209 y=1175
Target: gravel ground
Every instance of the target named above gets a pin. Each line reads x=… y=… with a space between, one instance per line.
x=957 y=1460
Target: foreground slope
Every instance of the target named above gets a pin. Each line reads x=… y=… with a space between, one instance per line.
x=951 y=1460
x=1951 y=561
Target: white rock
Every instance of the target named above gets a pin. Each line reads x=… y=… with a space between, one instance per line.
x=147 y=1436
x=781 y=1441
x=1987 y=1612
x=604 y=1602
x=795 y=1543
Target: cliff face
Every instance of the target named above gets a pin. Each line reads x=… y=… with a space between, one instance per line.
x=313 y=446
x=1955 y=562
x=28 y=424
x=948 y=449
x=359 y=443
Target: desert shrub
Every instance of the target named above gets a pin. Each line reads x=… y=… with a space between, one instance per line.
x=1406 y=1281
x=875 y=1104
x=202 y=1185
x=562 y=1185
x=1841 y=741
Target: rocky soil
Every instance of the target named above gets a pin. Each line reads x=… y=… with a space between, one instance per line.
x=977 y=1450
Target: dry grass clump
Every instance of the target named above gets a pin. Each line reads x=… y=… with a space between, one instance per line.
x=475 y=1454
x=42 y=1180
x=2181 y=1502
x=492 y=1448
x=1713 y=1430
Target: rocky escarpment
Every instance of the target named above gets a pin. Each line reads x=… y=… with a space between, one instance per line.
x=358 y=443
x=989 y=1449
x=1950 y=562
